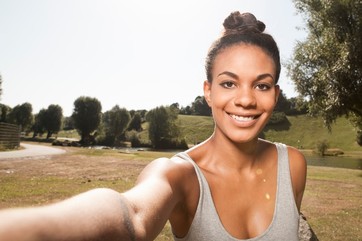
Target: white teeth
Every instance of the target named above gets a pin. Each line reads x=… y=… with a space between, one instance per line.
x=242 y=118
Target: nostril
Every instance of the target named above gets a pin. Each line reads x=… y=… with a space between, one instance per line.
x=245 y=100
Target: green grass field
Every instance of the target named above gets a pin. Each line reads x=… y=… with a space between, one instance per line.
x=301 y=131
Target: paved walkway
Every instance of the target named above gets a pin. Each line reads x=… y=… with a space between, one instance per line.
x=31 y=151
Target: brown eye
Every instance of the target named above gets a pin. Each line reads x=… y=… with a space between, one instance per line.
x=263 y=87
x=228 y=84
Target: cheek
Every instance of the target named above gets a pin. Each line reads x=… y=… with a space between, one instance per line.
x=267 y=101
x=220 y=99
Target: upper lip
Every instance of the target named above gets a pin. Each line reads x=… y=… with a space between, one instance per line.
x=245 y=114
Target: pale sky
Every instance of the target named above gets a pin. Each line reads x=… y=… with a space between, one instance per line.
x=138 y=54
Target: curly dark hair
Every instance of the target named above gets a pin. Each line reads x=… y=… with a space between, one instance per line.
x=243 y=28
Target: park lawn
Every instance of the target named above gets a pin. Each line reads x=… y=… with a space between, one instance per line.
x=332 y=203
x=301 y=131
x=332 y=200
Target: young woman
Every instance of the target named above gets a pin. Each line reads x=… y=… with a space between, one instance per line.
x=233 y=186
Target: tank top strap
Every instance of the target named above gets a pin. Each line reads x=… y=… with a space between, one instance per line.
x=204 y=186
x=286 y=207
x=186 y=157
x=284 y=186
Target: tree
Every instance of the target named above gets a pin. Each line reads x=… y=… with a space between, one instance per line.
x=283 y=104
x=4 y=112
x=298 y=106
x=48 y=120
x=39 y=126
x=68 y=123
x=327 y=66
x=163 y=130
x=200 y=107
x=87 y=117
x=136 y=122
x=22 y=115
x=53 y=119
x=115 y=123
x=143 y=114
x=186 y=110
x=176 y=106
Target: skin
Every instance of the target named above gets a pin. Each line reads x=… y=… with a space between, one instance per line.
x=240 y=168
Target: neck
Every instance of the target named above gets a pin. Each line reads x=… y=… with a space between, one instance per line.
x=234 y=155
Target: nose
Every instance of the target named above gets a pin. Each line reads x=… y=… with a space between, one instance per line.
x=245 y=97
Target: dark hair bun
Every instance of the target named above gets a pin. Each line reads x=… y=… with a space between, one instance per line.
x=242 y=23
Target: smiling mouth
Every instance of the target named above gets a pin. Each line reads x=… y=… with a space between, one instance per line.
x=244 y=118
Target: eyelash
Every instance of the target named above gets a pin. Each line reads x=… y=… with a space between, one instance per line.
x=263 y=87
x=230 y=84
x=227 y=84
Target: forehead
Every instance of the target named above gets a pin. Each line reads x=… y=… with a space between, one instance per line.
x=244 y=57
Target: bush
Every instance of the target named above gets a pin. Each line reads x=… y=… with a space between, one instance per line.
x=277 y=118
x=172 y=144
x=134 y=137
x=321 y=147
x=105 y=140
x=135 y=142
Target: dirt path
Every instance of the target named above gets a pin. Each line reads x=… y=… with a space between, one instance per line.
x=31 y=151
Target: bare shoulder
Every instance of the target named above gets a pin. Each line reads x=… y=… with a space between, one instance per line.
x=297 y=160
x=176 y=171
x=298 y=172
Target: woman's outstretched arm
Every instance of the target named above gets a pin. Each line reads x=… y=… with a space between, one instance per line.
x=93 y=215
x=100 y=214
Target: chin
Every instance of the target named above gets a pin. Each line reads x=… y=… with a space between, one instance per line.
x=243 y=139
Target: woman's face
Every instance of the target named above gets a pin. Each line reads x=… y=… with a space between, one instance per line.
x=243 y=93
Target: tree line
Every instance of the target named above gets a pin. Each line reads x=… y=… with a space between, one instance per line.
x=119 y=124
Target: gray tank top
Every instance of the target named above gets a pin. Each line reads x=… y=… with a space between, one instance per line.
x=206 y=225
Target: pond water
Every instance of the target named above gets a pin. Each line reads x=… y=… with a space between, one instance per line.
x=335 y=161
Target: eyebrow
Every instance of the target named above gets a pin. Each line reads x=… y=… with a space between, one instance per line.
x=259 y=77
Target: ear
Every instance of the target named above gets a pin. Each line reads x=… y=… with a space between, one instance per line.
x=277 y=92
x=207 y=92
